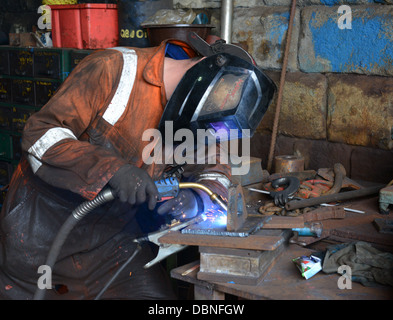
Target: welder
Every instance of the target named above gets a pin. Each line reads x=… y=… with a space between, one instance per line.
x=87 y=138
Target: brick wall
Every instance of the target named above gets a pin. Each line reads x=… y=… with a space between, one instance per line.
x=338 y=96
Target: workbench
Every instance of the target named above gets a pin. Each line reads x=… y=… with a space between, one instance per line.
x=283 y=280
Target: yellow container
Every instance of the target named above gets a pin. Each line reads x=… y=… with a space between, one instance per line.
x=54 y=2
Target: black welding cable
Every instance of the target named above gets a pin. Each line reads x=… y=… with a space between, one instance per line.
x=81 y=211
x=99 y=295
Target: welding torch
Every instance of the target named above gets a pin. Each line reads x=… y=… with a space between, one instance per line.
x=169 y=188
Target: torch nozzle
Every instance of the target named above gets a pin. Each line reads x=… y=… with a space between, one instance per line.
x=213 y=196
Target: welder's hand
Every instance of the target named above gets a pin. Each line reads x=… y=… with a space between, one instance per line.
x=133 y=185
x=184 y=206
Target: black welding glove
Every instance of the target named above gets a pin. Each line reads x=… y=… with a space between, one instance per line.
x=184 y=206
x=133 y=185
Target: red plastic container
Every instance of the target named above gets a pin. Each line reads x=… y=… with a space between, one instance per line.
x=85 y=26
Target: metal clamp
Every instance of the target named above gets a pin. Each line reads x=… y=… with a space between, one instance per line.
x=165 y=250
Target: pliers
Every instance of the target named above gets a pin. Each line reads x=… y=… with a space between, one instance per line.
x=167 y=249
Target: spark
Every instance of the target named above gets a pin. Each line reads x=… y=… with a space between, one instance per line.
x=216 y=216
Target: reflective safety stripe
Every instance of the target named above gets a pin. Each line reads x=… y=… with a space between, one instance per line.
x=120 y=99
x=50 y=138
x=114 y=111
x=35 y=164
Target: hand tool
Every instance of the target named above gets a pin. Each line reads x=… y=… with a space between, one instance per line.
x=313 y=229
x=169 y=188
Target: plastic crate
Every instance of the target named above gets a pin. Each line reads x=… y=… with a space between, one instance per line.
x=85 y=26
x=23 y=92
x=21 y=62
x=19 y=117
x=5 y=90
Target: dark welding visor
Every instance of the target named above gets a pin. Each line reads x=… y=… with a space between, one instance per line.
x=221 y=92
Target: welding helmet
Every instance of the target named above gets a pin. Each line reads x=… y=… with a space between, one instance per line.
x=225 y=91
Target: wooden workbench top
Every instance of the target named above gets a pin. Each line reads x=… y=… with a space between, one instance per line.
x=284 y=282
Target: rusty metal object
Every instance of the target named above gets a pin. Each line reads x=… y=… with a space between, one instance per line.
x=261 y=240
x=296 y=204
x=385 y=199
x=384 y=225
x=313 y=188
x=324 y=213
x=339 y=175
x=238 y=223
x=328 y=174
x=301 y=175
x=237 y=211
x=281 y=87
x=237 y=265
x=288 y=163
x=279 y=222
x=255 y=174
x=269 y=209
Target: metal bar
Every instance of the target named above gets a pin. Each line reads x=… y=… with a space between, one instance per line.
x=281 y=88
x=345 y=209
x=297 y=204
x=226 y=20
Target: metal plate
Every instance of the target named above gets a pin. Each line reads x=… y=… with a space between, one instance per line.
x=250 y=226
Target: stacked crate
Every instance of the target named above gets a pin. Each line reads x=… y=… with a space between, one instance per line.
x=28 y=79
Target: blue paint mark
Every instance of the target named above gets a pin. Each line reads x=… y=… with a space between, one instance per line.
x=330 y=2
x=284 y=15
x=365 y=46
x=278 y=28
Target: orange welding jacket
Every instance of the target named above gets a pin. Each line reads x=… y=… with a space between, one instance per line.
x=94 y=123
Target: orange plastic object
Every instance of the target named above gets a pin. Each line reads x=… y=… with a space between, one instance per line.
x=85 y=26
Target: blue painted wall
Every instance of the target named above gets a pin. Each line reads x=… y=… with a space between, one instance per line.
x=366 y=48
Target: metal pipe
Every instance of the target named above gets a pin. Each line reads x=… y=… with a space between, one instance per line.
x=226 y=20
x=348 y=195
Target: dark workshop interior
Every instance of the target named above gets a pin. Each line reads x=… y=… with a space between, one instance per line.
x=312 y=217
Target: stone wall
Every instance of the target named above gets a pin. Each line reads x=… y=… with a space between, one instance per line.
x=338 y=96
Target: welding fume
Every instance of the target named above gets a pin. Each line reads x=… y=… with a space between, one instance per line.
x=80 y=197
